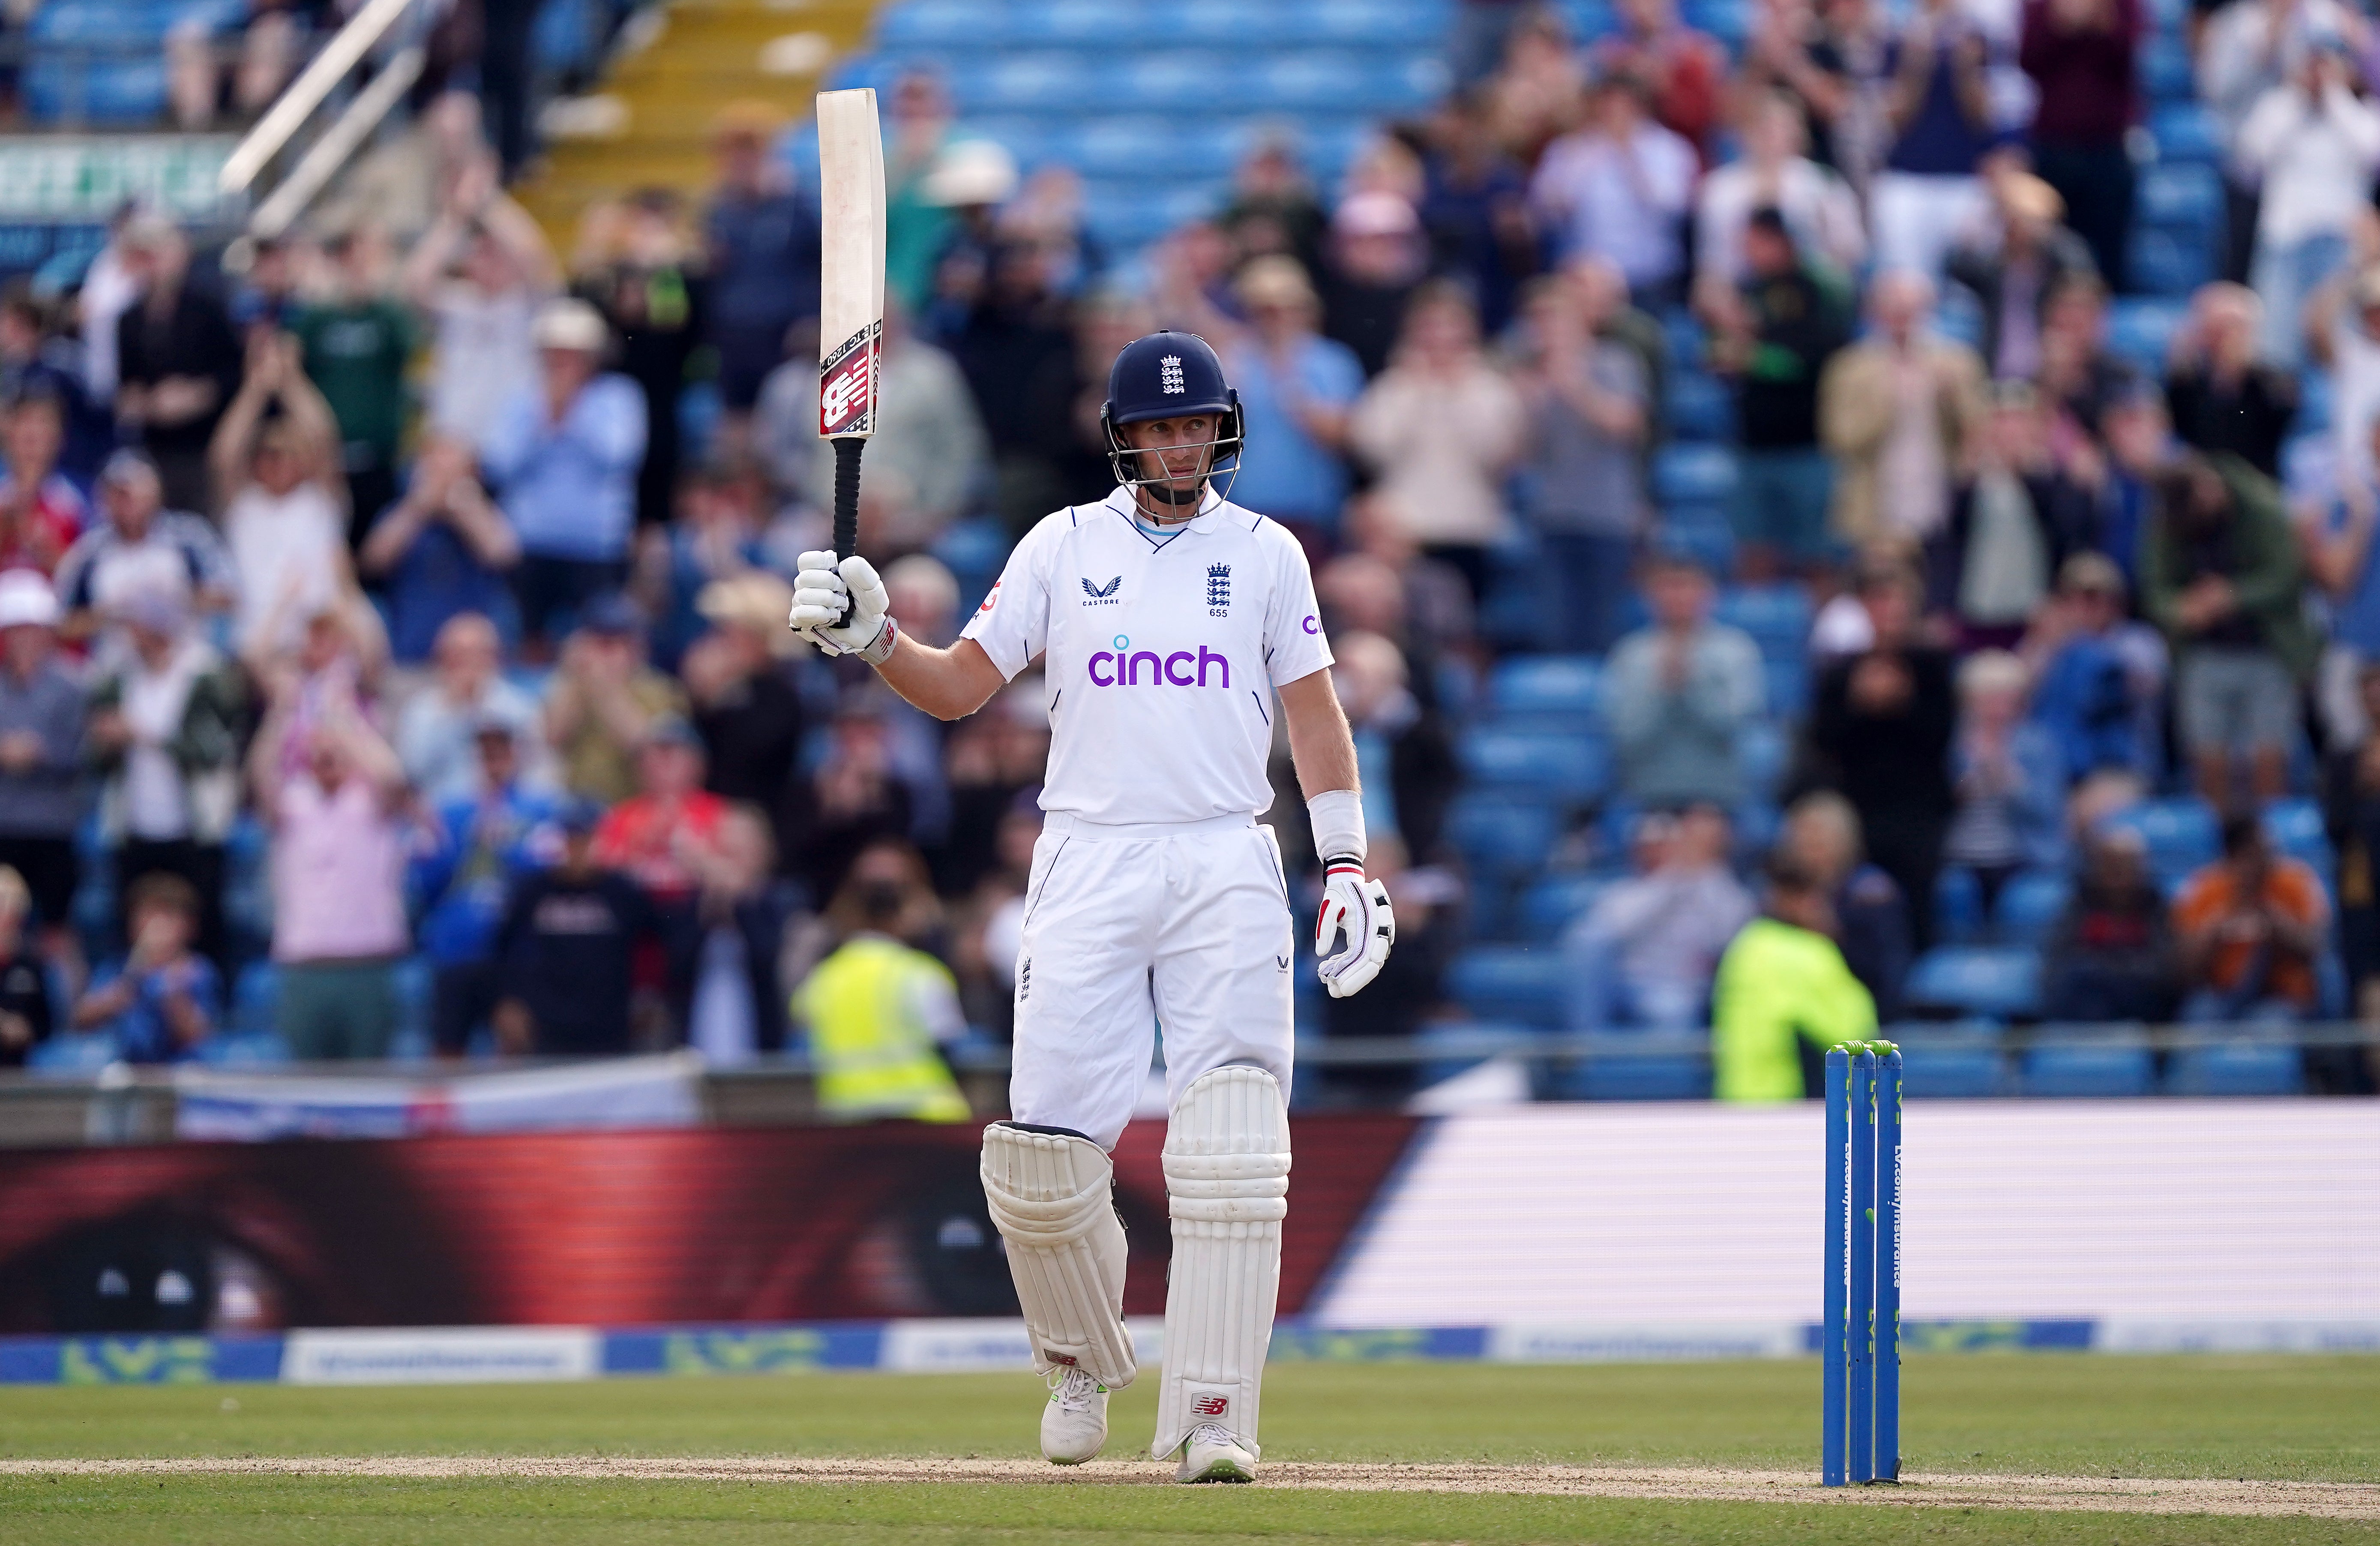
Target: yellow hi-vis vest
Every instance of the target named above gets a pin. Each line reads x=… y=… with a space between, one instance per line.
x=1777 y=986
x=873 y=1056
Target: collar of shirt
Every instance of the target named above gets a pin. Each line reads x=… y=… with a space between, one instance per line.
x=1209 y=512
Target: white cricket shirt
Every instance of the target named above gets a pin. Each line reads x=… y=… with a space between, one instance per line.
x=1162 y=654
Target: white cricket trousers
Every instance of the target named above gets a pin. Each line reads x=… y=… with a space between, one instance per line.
x=1183 y=924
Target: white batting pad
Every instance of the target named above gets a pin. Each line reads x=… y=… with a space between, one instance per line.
x=1227 y=1176
x=1053 y=1198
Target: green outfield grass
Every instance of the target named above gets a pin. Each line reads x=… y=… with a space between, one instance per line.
x=2295 y=1419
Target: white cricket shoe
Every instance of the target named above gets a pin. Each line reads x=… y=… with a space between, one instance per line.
x=1214 y=1454
x=1075 y=1423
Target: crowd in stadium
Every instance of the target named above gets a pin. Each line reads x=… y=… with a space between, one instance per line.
x=393 y=617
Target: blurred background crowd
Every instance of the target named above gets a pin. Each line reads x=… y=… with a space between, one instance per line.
x=1907 y=474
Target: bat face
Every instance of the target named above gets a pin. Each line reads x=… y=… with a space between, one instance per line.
x=851 y=252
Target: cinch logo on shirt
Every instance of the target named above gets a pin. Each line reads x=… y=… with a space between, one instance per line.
x=1127 y=667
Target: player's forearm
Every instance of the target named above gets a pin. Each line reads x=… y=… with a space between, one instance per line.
x=947 y=684
x=1319 y=742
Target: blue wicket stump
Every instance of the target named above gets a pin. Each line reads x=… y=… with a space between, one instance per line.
x=1860 y=1399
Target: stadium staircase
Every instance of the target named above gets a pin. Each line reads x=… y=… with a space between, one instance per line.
x=677 y=65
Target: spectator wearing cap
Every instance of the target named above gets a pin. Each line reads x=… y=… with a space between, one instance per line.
x=165 y=735
x=1772 y=337
x=567 y=950
x=746 y=708
x=441 y=552
x=1441 y=427
x=666 y=838
x=1898 y=411
x=1680 y=694
x=140 y=548
x=1376 y=259
x=338 y=862
x=2314 y=145
x=355 y=344
x=177 y=360
x=929 y=450
x=917 y=110
x=1880 y=726
x=41 y=512
x=971 y=179
x=485 y=844
x=283 y=507
x=25 y=1013
x=1588 y=421
x=2015 y=277
x=2253 y=926
x=1938 y=122
x=763 y=239
x=2098 y=678
x=1620 y=188
x=604 y=698
x=41 y=717
x=2343 y=337
x=2080 y=57
x=1297 y=389
x=438 y=730
x=2223 y=397
x=1774 y=173
x=564 y=458
x=2222 y=575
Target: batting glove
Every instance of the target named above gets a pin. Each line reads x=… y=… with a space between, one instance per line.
x=820 y=590
x=1353 y=903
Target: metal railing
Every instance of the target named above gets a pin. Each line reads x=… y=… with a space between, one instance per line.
x=264 y=147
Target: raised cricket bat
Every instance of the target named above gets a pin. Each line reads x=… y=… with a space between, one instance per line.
x=851 y=291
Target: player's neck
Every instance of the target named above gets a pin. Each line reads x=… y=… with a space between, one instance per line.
x=1154 y=510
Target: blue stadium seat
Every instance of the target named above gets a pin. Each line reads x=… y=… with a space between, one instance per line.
x=2140 y=330
x=2185 y=131
x=1085 y=24
x=1699 y=406
x=1367 y=23
x=953 y=26
x=2030 y=906
x=1138 y=149
x=71 y=1055
x=1045 y=82
x=1031 y=141
x=1789 y=686
x=1984 y=981
x=1555 y=903
x=2109 y=1066
x=1558 y=766
x=1589 y=20
x=1950 y=1063
x=2164 y=262
x=1244 y=24
x=1554 y=685
x=1763 y=751
x=1502 y=835
x=244 y=1049
x=1178 y=81
x=1317 y=80
x=2180 y=833
x=1693 y=475
x=1958 y=906
x=2242 y=1067
x=1728 y=21
x=1700 y=532
x=2296 y=828
x=1508 y=982
x=2166 y=70
x=1622 y=1075
x=121 y=92
x=255 y=998
x=1776 y=616
x=2182 y=194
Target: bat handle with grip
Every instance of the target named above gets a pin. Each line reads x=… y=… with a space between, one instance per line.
x=846 y=504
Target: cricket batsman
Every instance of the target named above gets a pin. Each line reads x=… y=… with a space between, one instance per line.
x=1171 y=618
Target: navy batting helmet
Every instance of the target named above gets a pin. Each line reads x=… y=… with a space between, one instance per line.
x=1170 y=375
